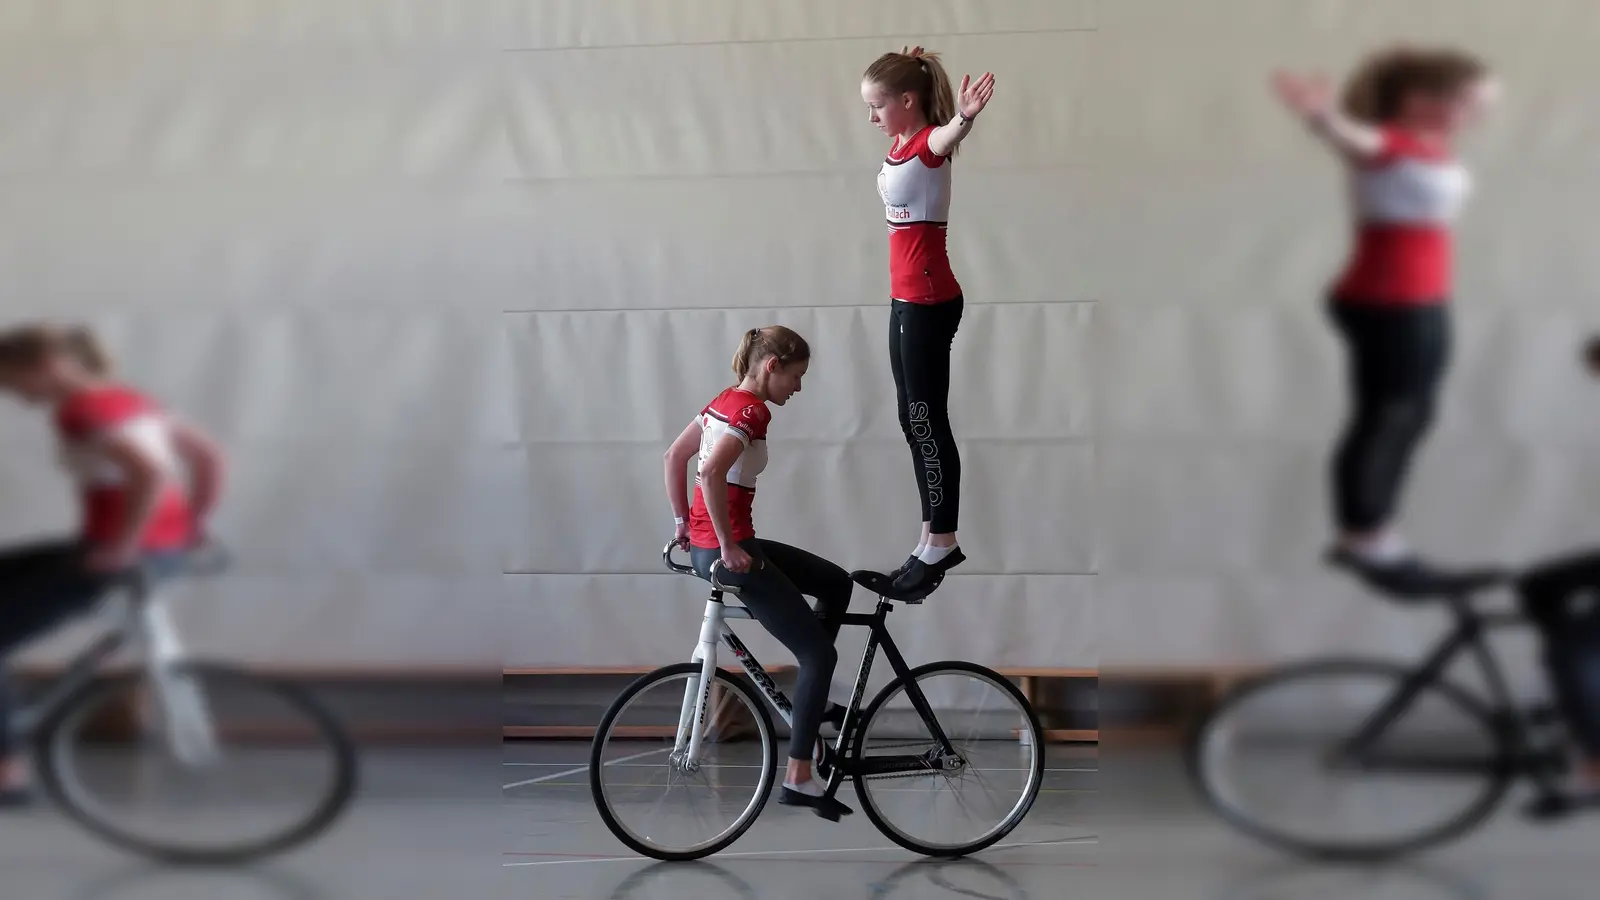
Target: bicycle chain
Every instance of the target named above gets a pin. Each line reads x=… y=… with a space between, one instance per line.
x=912 y=774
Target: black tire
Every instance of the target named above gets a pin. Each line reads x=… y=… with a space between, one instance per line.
x=764 y=789
x=858 y=749
x=327 y=728
x=1496 y=777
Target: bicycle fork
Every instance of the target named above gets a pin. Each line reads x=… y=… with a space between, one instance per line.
x=697 y=693
x=185 y=714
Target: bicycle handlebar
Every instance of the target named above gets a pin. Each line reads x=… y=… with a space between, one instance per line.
x=666 y=556
x=209 y=558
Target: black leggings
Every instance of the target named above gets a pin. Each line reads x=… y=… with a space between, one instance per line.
x=1562 y=597
x=772 y=590
x=920 y=336
x=41 y=585
x=1397 y=359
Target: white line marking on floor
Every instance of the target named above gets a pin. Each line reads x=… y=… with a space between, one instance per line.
x=583 y=768
x=568 y=862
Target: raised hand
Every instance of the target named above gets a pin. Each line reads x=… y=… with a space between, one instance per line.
x=973 y=97
x=1307 y=95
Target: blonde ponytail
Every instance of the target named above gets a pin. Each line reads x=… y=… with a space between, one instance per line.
x=741 y=356
x=773 y=341
x=26 y=346
x=939 y=102
x=87 y=349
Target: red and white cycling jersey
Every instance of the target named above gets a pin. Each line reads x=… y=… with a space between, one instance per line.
x=83 y=422
x=1405 y=202
x=744 y=416
x=914 y=183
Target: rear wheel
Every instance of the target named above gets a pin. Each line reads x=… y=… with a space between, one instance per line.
x=1277 y=759
x=957 y=804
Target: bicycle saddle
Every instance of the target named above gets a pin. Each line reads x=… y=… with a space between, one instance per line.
x=881 y=584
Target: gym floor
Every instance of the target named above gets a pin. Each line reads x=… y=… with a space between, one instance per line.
x=432 y=824
x=557 y=848
x=1156 y=843
x=1128 y=829
x=425 y=826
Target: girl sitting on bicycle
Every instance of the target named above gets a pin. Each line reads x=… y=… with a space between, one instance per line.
x=729 y=437
x=126 y=455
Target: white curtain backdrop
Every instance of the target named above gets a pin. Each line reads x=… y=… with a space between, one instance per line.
x=701 y=169
x=1221 y=221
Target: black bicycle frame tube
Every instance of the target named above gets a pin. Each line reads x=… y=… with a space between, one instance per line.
x=1430 y=670
x=878 y=636
x=1468 y=635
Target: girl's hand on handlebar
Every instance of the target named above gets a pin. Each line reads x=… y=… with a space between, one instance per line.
x=680 y=536
x=734 y=559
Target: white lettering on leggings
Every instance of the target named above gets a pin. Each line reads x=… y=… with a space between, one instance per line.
x=922 y=433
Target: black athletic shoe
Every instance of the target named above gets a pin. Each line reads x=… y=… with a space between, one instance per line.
x=825 y=807
x=1406 y=577
x=919 y=574
x=904 y=568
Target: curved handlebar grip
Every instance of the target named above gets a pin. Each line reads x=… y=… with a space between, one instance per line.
x=717 y=582
x=208 y=558
x=666 y=557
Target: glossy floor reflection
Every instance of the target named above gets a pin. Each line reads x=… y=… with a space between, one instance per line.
x=557 y=848
x=1157 y=843
x=424 y=827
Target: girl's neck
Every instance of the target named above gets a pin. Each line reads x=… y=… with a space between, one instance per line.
x=77 y=384
x=749 y=386
x=913 y=131
x=1423 y=130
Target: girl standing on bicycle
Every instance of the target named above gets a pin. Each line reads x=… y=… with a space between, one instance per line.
x=1401 y=114
x=127 y=456
x=729 y=438
x=908 y=96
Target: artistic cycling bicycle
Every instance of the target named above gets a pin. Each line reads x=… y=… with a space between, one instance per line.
x=85 y=748
x=900 y=752
x=1294 y=756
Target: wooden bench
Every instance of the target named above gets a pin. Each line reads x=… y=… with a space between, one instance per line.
x=1199 y=685
x=1029 y=678
x=125 y=719
x=723 y=725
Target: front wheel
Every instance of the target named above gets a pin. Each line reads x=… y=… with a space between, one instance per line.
x=156 y=783
x=651 y=795
x=948 y=804
x=1350 y=760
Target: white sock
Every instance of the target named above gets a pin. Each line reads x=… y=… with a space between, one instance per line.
x=811 y=787
x=931 y=554
x=921 y=546
x=1387 y=548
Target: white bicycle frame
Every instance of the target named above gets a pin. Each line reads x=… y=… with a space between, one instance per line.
x=697 y=693
x=147 y=622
